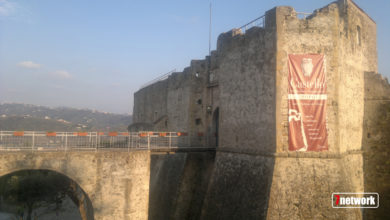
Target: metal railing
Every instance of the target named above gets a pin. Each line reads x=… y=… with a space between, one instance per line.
x=68 y=141
x=160 y=78
x=302 y=15
x=258 y=22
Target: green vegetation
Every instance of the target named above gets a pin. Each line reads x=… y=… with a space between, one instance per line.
x=40 y=118
x=19 y=123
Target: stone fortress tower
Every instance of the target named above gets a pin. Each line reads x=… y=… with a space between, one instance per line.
x=236 y=100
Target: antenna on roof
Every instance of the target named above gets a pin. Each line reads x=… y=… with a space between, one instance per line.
x=210 y=33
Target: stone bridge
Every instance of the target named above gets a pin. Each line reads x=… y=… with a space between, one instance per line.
x=112 y=174
x=115 y=184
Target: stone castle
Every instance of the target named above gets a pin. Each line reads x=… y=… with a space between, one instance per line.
x=236 y=100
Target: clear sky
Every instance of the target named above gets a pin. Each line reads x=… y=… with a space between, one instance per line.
x=96 y=54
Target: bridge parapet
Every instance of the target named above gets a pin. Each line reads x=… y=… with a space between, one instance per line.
x=70 y=141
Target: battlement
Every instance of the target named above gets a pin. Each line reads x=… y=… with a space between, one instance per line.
x=340 y=30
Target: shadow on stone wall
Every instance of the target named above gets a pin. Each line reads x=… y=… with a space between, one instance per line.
x=376 y=143
x=134 y=127
x=240 y=187
x=178 y=184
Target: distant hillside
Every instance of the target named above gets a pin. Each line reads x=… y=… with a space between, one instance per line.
x=32 y=117
x=17 y=123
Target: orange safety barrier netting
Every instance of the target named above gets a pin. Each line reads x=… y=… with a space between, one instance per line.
x=182 y=134
x=19 y=133
x=112 y=134
x=51 y=134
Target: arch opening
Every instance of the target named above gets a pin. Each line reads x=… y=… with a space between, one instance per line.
x=43 y=194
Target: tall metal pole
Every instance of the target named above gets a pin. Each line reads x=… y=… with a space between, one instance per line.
x=210 y=33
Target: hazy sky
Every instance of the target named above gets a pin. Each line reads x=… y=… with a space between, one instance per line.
x=96 y=54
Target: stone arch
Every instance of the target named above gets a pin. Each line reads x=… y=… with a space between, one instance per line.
x=78 y=195
x=113 y=180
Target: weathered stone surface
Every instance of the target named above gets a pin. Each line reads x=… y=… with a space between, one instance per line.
x=376 y=143
x=178 y=184
x=239 y=188
x=246 y=81
x=116 y=183
x=247 y=92
x=302 y=188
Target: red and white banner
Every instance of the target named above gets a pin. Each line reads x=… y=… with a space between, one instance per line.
x=307 y=103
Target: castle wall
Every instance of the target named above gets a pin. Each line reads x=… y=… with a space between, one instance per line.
x=150 y=103
x=198 y=102
x=376 y=143
x=164 y=104
x=356 y=56
x=316 y=34
x=180 y=102
x=246 y=78
x=247 y=90
x=178 y=184
x=299 y=184
x=246 y=83
x=179 y=92
x=330 y=31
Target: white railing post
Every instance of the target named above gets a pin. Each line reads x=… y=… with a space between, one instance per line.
x=62 y=141
x=97 y=140
x=33 y=141
x=170 y=140
x=128 y=141
x=97 y=135
x=90 y=139
x=66 y=141
x=135 y=140
x=148 y=140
